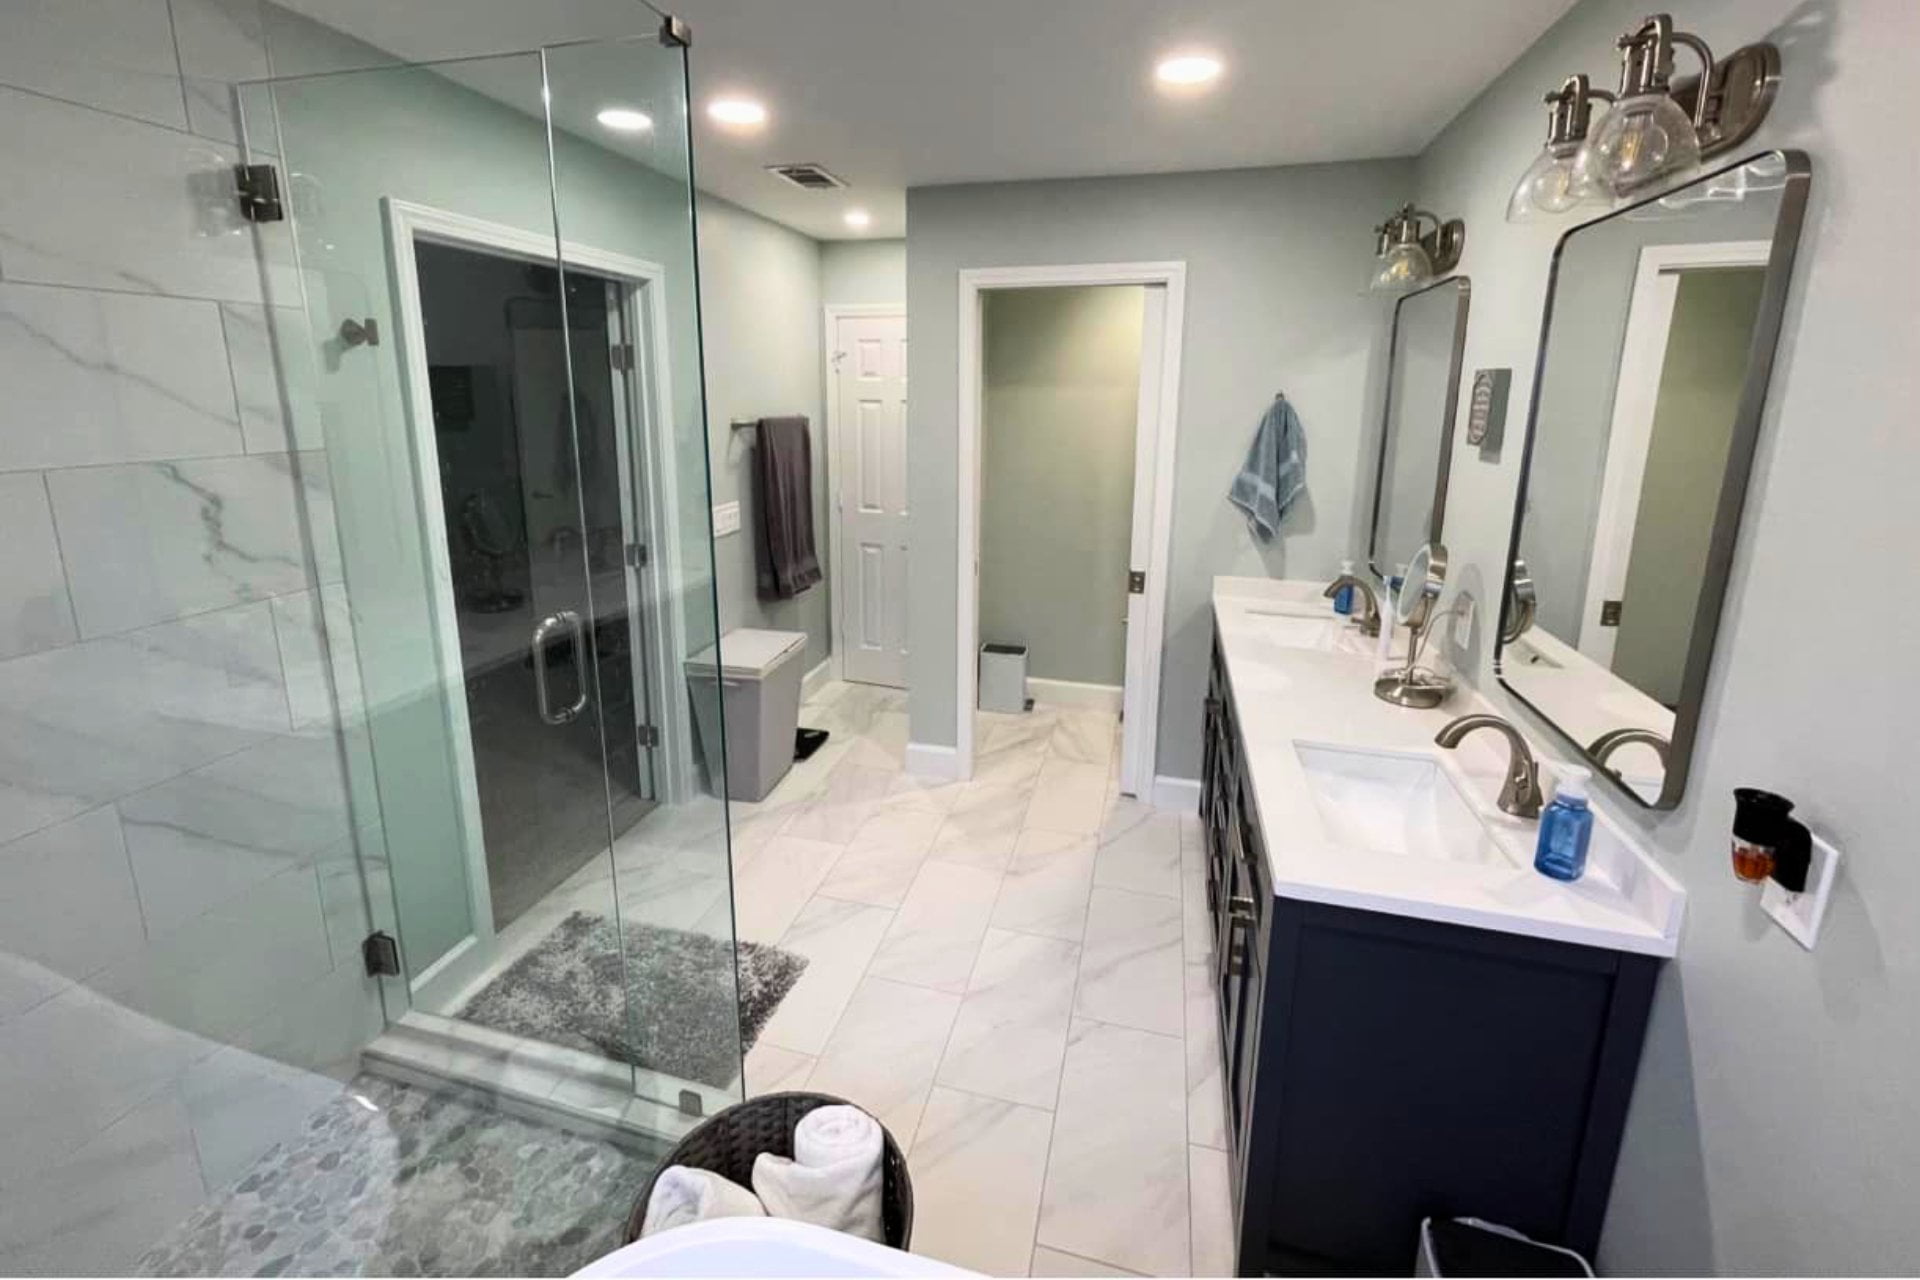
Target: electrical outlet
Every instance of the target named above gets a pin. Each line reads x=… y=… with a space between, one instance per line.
x=1800 y=913
x=726 y=519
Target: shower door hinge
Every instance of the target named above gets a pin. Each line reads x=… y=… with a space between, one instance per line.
x=690 y=1104
x=674 y=32
x=1136 y=582
x=622 y=353
x=382 y=955
x=638 y=556
x=258 y=186
x=649 y=735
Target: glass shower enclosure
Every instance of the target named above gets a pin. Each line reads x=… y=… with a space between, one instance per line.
x=486 y=323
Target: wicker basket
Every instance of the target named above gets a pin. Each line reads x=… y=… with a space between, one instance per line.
x=728 y=1143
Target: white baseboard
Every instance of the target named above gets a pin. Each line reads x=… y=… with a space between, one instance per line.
x=927 y=760
x=1073 y=693
x=1181 y=795
x=811 y=682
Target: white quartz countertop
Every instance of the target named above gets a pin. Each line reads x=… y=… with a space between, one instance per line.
x=1285 y=696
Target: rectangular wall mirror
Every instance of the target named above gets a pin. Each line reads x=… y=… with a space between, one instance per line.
x=1655 y=351
x=1423 y=388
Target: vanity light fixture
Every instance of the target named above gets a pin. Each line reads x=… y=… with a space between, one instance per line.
x=1550 y=185
x=625 y=119
x=1408 y=257
x=1655 y=128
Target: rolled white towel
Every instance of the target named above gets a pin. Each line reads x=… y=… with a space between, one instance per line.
x=682 y=1195
x=834 y=1178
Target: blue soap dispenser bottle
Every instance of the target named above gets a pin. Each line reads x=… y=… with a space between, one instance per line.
x=1343 y=598
x=1566 y=827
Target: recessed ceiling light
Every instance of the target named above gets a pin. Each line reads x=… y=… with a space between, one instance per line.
x=625 y=119
x=738 y=113
x=1188 y=70
x=858 y=219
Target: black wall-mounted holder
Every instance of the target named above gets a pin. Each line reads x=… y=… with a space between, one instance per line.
x=1768 y=844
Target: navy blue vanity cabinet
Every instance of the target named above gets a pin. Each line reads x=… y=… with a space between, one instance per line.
x=1380 y=1068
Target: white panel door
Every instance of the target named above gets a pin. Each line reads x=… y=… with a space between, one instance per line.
x=870 y=496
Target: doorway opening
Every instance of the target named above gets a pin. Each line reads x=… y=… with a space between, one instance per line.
x=1069 y=380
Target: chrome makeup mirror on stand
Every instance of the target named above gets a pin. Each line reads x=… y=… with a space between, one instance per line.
x=1414 y=685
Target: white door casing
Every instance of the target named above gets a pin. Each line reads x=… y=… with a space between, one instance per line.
x=867 y=427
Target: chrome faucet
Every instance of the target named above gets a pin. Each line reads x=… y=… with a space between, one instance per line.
x=1369 y=621
x=1521 y=794
x=1607 y=743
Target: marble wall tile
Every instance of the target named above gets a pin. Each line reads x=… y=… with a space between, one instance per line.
x=67 y=897
x=837 y=939
x=1116 y=1188
x=1130 y=972
x=265 y=389
x=884 y=1051
x=1011 y=1032
x=116 y=55
x=978 y=1164
x=96 y=1210
x=936 y=933
x=220 y=41
x=197 y=840
x=315 y=631
x=150 y=210
x=35 y=612
x=320 y=1026
x=150 y=542
x=26 y=984
x=190 y=978
x=239 y=1104
x=95 y=377
x=353 y=909
x=85 y=725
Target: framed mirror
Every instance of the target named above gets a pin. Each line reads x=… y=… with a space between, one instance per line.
x=1423 y=389
x=1655 y=351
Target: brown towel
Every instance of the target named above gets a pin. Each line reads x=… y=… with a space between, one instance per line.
x=783 y=496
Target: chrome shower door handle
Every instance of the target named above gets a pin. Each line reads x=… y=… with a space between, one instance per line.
x=542 y=633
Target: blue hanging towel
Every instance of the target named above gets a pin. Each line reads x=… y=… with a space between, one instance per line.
x=1275 y=470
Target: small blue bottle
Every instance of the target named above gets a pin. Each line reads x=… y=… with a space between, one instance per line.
x=1565 y=829
x=1343 y=598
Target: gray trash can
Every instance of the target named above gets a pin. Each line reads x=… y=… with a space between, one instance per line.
x=1003 y=677
x=757 y=687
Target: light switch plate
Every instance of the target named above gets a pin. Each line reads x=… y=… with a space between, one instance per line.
x=726 y=519
x=1800 y=914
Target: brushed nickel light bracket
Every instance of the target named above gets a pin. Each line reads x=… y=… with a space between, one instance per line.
x=1442 y=241
x=1727 y=100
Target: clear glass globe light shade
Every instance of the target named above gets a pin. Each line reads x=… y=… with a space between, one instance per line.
x=1547 y=187
x=1404 y=267
x=1639 y=140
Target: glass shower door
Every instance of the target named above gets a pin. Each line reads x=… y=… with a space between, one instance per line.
x=515 y=441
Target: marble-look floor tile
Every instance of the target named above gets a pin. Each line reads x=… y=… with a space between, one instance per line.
x=978 y=834
x=1139 y=850
x=67 y=897
x=35 y=612
x=978 y=1164
x=112 y=377
x=1116 y=1188
x=1206 y=1102
x=150 y=542
x=773 y=883
x=771 y=1069
x=1083 y=736
x=1068 y=796
x=152 y=210
x=95 y=1210
x=843 y=806
x=1010 y=767
x=837 y=939
x=1047 y=885
x=1053 y=1262
x=936 y=933
x=1196 y=926
x=221 y=42
x=1131 y=969
x=1210 y=1191
x=107 y=54
x=885 y=855
x=1011 y=1031
x=884 y=1052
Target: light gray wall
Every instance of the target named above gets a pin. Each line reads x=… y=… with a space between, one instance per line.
x=1060 y=392
x=760 y=324
x=1773 y=1128
x=1277 y=263
x=863 y=272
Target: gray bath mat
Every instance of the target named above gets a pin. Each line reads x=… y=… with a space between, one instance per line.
x=570 y=990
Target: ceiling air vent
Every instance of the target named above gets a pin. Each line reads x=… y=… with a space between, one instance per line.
x=811 y=177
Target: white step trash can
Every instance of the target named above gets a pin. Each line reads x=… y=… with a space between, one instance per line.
x=757 y=687
x=1003 y=677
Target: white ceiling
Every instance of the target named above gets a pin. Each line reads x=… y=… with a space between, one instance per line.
x=890 y=94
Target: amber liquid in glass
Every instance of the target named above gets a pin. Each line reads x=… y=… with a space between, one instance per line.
x=1752 y=862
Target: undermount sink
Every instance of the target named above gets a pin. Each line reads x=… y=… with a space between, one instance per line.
x=1397 y=803
x=1300 y=627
